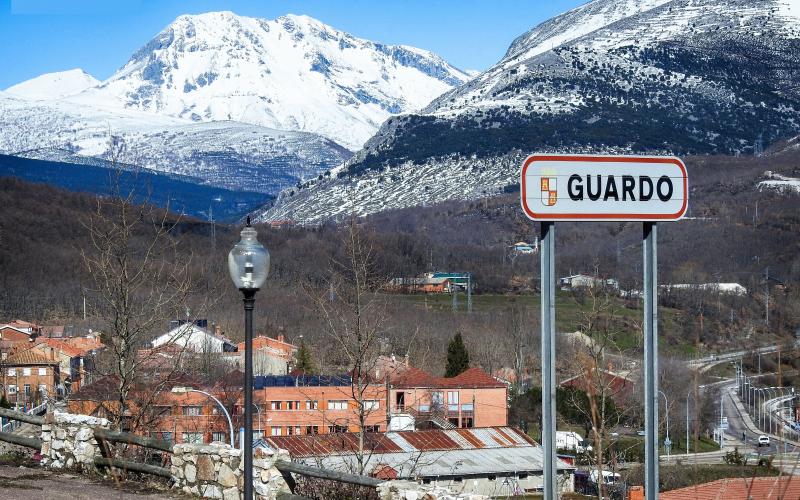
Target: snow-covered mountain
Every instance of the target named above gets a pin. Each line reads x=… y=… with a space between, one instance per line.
x=241 y=103
x=54 y=85
x=291 y=73
x=655 y=76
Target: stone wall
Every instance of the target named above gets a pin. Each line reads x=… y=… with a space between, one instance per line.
x=68 y=440
x=217 y=471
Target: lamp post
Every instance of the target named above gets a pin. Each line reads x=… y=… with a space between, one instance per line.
x=186 y=390
x=667 y=441
x=248 y=264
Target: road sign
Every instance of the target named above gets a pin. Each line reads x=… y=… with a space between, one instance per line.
x=604 y=188
x=667 y=442
x=724 y=423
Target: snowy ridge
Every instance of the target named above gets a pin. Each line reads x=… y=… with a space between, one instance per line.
x=226 y=154
x=291 y=73
x=54 y=85
x=633 y=76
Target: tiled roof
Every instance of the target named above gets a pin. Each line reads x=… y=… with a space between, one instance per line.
x=426 y=454
x=263 y=341
x=30 y=356
x=62 y=346
x=472 y=377
x=309 y=445
x=758 y=488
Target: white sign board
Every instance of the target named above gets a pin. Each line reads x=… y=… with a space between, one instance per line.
x=604 y=188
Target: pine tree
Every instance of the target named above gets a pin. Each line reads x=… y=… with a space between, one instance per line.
x=305 y=363
x=457 y=357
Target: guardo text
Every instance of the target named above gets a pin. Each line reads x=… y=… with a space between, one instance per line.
x=625 y=188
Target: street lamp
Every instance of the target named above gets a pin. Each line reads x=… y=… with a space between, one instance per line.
x=248 y=264
x=186 y=390
x=667 y=441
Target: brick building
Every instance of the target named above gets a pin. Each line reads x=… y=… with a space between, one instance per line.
x=471 y=399
x=28 y=375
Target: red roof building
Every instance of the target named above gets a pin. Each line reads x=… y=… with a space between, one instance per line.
x=471 y=399
x=751 y=488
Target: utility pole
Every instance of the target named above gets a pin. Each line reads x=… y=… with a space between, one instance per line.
x=766 y=283
x=469 y=293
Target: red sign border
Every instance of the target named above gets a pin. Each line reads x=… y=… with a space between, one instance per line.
x=604 y=159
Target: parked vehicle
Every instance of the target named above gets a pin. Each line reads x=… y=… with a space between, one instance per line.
x=763 y=440
x=568 y=440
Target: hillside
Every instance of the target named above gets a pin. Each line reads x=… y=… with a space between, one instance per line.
x=181 y=194
x=679 y=77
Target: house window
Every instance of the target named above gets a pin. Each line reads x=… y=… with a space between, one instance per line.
x=297 y=430
x=193 y=437
x=26 y=371
x=452 y=400
x=191 y=411
x=290 y=431
x=42 y=371
x=276 y=431
x=293 y=405
x=12 y=372
x=437 y=398
x=337 y=429
x=466 y=422
x=337 y=404
x=218 y=436
x=12 y=389
x=372 y=428
x=371 y=404
x=311 y=405
x=312 y=429
x=276 y=405
x=27 y=390
x=42 y=389
x=166 y=436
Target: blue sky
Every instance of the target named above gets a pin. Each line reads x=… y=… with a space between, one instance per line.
x=41 y=36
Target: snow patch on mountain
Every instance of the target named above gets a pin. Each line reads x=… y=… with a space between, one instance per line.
x=290 y=73
x=226 y=154
x=54 y=85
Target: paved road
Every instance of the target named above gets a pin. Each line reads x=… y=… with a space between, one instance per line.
x=20 y=483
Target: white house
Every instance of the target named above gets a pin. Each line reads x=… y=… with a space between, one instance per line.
x=194 y=338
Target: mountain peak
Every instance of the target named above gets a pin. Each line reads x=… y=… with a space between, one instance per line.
x=54 y=85
x=291 y=73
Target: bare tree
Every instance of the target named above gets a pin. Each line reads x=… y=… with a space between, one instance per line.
x=139 y=277
x=354 y=316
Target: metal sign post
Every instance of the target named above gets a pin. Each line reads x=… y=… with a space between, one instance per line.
x=602 y=188
x=548 y=325
x=650 y=367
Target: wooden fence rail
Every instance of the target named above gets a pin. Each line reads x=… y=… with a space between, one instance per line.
x=341 y=477
x=22 y=417
x=127 y=437
x=29 y=442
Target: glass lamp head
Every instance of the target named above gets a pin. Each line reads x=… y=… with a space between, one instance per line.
x=248 y=261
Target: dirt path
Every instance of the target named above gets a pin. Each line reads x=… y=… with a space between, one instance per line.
x=32 y=483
